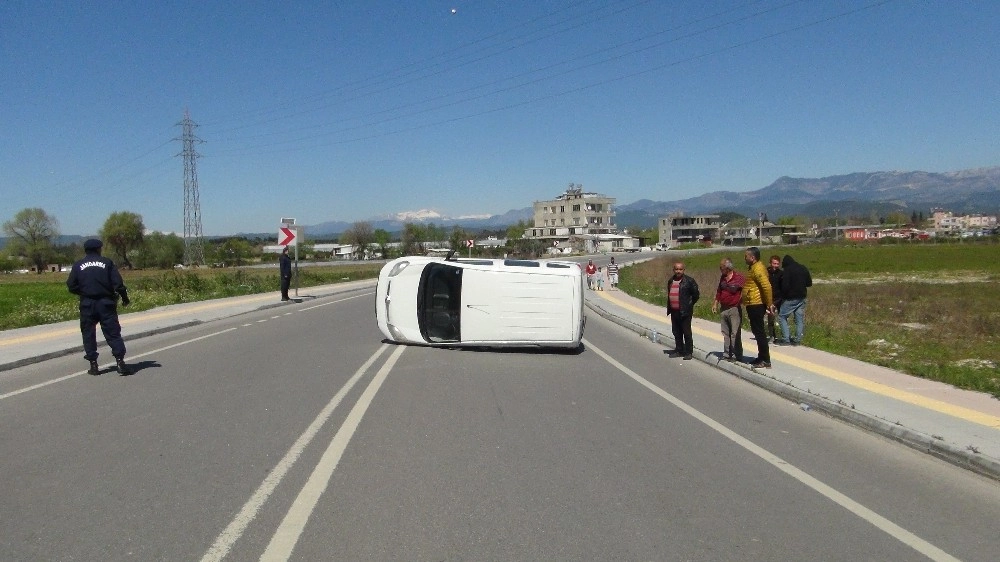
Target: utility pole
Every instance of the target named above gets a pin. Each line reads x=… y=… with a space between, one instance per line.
x=836 y=224
x=194 y=252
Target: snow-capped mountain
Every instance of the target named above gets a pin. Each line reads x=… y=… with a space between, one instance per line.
x=422 y=215
x=395 y=221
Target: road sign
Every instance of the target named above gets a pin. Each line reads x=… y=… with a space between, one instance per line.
x=470 y=243
x=288 y=236
x=288 y=222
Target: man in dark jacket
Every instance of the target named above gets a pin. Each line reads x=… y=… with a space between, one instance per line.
x=285 y=267
x=682 y=293
x=97 y=281
x=774 y=276
x=795 y=280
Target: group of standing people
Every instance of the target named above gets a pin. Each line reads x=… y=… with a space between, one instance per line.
x=596 y=275
x=765 y=293
x=770 y=293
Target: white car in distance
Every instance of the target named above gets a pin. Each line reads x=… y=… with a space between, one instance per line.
x=481 y=302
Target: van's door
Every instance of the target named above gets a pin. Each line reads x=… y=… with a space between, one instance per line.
x=511 y=306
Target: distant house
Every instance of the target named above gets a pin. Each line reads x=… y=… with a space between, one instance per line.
x=49 y=268
x=947 y=223
x=679 y=228
x=336 y=251
x=491 y=242
x=765 y=232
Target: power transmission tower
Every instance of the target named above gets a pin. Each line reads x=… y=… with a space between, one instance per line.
x=194 y=251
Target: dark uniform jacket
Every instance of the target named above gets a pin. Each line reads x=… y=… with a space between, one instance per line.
x=285 y=266
x=96 y=277
x=795 y=279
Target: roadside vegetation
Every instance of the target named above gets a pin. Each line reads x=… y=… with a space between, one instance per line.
x=929 y=310
x=925 y=308
x=30 y=300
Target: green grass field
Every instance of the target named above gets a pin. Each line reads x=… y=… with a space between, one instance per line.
x=931 y=310
x=30 y=300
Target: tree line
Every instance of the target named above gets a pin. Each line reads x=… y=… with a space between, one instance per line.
x=33 y=234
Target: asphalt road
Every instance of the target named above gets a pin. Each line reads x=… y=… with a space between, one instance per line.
x=295 y=433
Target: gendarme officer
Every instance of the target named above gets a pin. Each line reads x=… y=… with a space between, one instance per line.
x=97 y=281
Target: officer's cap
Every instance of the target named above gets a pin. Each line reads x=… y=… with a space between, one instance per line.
x=92 y=244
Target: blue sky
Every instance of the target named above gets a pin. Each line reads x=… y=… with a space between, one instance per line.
x=350 y=110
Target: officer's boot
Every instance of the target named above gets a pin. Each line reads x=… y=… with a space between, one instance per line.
x=122 y=367
x=94 y=369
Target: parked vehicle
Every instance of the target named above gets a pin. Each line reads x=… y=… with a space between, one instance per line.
x=480 y=302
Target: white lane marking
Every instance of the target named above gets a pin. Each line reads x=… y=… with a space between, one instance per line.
x=335 y=302
x=880 y=522
x=264 y=320
x=284 y=538
x=60 y=379
x=225 y=541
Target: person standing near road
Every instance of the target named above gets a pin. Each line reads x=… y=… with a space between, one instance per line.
x=591 y=271
x=285 y=267
x=682 y=293
x=613 y=274
x=774 y=276
x=794 y=283
x=727 y=302
x=758 y=302
x=600 y=279
x=97 y=282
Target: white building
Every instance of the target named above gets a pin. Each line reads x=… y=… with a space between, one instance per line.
x=574 y=218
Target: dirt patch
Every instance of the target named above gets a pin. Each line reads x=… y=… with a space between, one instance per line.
x=976 y=364
x=932 y=278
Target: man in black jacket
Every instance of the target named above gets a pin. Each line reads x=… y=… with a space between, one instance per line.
x=682 y=293
x=97 y=281
x=795 y=280
x=774 y=276
x=285 y=268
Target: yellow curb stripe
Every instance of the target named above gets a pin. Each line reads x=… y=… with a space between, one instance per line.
x=127 y=321
x=960 y=412
x=39 y=337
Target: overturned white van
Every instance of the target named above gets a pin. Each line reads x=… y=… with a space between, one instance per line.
x=480 y=302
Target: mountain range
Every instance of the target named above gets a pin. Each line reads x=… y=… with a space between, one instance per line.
x=395 y=223
x=856 y=195
x=852 y=195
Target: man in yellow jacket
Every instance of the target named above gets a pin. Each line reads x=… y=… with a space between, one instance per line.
x=758 y=301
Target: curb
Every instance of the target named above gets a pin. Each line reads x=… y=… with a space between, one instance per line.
x=976 y=462
x=103 y=345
